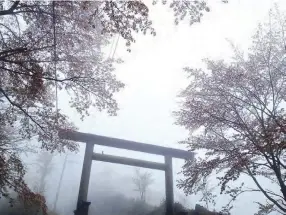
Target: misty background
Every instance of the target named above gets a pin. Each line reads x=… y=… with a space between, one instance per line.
x=153 y=76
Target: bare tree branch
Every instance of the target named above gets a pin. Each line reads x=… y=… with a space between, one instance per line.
x=10 y=10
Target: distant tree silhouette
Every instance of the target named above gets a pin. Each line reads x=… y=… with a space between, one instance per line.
x=141 y=181
x=44 y=166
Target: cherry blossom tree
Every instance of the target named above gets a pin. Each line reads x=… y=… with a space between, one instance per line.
x=238 y=110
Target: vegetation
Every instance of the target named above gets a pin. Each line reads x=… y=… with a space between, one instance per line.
x=19 y=208
x=239 y=109
x=236 y=108
x=53 y=46
x=118 y=204
x=142 y=180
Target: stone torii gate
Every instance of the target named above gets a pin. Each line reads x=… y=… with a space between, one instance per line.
x=89 y=156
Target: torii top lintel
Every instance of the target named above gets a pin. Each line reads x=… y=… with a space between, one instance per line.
x=125 y=144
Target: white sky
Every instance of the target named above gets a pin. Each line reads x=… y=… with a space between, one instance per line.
x=153 y=76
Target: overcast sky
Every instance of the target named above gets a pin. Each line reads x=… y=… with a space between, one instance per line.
x=153 y=76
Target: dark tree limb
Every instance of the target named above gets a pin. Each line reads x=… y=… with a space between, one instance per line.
x=10 y=10
x=264 y=191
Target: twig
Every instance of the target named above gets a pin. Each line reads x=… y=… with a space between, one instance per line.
x=19 y=107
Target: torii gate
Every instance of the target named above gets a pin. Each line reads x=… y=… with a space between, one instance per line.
x=91 y=139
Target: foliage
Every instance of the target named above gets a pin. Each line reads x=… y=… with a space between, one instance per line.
x=160 y=210
x=199 y=210
x=139 y=207
x=109 y=203
x=20 y=208
x=179 y=209
x=12 y=173
x=207 y=192
x=194 y=10
x=239 y=106
x=127 y=17
x=49 y=47
x=37 y=62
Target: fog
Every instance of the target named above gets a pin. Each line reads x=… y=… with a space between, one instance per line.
x=153 y=76
x=106 y=181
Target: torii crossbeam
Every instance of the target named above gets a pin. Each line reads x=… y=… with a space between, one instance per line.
x=91 y=139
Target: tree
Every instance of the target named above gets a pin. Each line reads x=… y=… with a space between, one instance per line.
x=12 y=171
x=208 y=193
x=237 y=110
x=44 y=163
x=20 y=209
x=37 y=62
x=48 y=47
x=142 y=180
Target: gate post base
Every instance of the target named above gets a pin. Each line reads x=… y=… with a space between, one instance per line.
x=82 y=208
